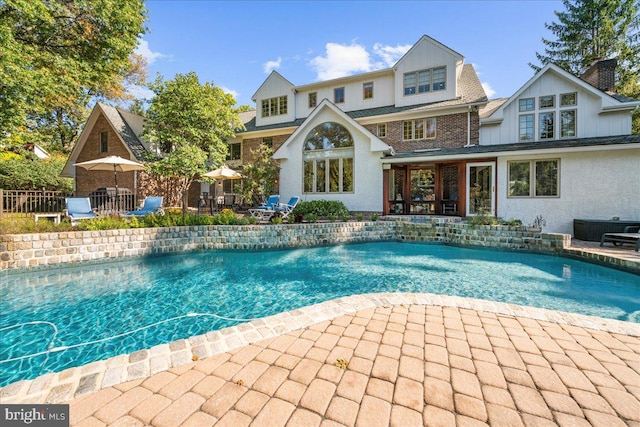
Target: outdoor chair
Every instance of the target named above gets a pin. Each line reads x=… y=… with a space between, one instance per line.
x=286 y=208
x=79 y=208
x=630 y=235
x=152 y=205
x=266 y=211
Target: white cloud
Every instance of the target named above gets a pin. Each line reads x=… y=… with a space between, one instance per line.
x=272 y=65
x=235 y=93
x=488 y=89
x=140 y=92
x=145 y=51
x=341 y=60
x=390 y=54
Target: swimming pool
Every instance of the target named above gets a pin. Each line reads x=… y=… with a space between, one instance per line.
x=64 y=309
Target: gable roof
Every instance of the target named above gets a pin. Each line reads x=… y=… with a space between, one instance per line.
x=274 y=74
x=426 y=39
x=376 y=143
x=609 y=102
x=121 y=128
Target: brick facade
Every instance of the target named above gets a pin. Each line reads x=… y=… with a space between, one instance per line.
x=250 y=144
x=451 y=132
x=88 y=181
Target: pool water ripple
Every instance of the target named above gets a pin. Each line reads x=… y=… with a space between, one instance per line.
x=95 y=302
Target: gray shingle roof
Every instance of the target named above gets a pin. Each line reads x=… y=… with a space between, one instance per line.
x=126 y=133
x=522 y=146
x=469 y=89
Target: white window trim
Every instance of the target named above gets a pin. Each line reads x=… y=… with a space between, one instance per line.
x=532 y=179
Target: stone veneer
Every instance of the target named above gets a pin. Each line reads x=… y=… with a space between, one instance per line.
x=32 y=250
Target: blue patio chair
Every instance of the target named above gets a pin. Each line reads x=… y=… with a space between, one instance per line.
x=152 y=205
x=79 y=208
x=286 y=208
x=266 y=211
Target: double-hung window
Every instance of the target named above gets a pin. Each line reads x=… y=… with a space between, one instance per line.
x=534 y=178
x=313 y=99
x=424 y=81
x=367 y=90
x=268 y=141
x=568 y=102
x=235 y=151
x=547 y=125
x=419 y=129
x=526 y=121
x=381 y=130
x=338 y=95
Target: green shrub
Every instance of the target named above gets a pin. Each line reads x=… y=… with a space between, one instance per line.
x=491 y=220
x=332 y=217
x=374 y=217
x=276 y=220
x=345 y=217
x=311 y=217
x=107 y=222
x=359 y=217
x=321 y=208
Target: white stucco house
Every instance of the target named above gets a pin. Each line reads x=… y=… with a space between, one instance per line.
x=421 y=138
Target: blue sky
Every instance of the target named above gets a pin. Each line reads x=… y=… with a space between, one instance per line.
x=235 y=44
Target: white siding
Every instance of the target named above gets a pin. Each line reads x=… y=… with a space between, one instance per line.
x=275 y=86
x=589 y=121
x=367 y=174
x=354 y=100
x=593 y=185
x=427 y=54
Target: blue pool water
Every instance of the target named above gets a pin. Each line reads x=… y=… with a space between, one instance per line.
x=98 y=301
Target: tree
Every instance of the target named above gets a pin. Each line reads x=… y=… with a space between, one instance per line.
x=589 y=30
x=191 y=123
x=58 y=55
x=260 y=174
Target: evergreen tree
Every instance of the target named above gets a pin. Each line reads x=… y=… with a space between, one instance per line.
x=589 y=30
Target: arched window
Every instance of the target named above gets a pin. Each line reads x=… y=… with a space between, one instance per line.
x=328 y=160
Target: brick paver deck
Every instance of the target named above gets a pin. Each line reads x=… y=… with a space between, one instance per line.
x=394 y=365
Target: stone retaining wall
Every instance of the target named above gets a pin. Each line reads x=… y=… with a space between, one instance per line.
x=30 y=250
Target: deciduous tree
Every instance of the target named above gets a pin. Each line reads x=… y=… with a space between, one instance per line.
x=191 y=123
x=57 y=55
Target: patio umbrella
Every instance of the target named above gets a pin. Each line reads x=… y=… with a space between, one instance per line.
x=114 y=163
x=223 y=172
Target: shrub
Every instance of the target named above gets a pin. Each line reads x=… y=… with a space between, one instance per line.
x=374 y=217
x=311 y=217
x=276 y=220
x=491 y=220
x=332 y=217
x=321 y=208
x=359 y=217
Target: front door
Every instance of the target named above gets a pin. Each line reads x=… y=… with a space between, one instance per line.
x=481 y=188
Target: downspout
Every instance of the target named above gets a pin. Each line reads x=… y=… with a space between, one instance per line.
x=469 y=126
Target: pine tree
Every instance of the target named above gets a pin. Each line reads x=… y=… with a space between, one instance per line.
x=589 y=30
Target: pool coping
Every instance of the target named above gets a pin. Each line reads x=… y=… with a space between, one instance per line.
x=79 y=381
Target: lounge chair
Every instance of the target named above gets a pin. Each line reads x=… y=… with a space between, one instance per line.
x=79 y=208
x=286 y=208
x=152 y=205
x=266 y=211
x=631 y=234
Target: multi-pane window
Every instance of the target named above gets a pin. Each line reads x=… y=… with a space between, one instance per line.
x=328 y=160
x=568 y=99
x=534 y=178
x=546 y=129
x=381 y=130
x=567 y=123
x=419 y=129
x=313 y=99
x=525 y=130
x=274 y=106
x=338 y=95
x=104 y=142
x=367 y=90
x=268 y=141
x=424 y=81
x=526 y=104
x=548 y=101
x=235 y=152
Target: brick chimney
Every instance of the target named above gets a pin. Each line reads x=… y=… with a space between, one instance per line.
x=602 y=74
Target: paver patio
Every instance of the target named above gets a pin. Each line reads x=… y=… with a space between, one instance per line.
x=405 y=365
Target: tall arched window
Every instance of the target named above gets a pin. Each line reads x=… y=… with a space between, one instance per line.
x=328 y=160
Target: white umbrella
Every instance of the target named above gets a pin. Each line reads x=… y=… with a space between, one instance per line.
x=114 y=163
x=223 y=172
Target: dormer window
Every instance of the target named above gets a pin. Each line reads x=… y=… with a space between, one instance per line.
x=423 y=81
x=274 y=106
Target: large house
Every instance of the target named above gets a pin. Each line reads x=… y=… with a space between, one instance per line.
x=422 y=138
